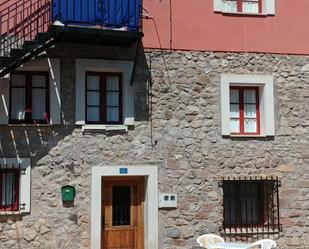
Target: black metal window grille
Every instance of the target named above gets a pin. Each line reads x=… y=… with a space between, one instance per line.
x=10 y=187
x=251 y=206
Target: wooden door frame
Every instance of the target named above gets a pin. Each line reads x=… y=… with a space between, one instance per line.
x=125 y=181
x=151 y=213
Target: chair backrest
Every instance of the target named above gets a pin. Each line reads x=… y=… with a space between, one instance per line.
x=207 y=240
x=265 y=244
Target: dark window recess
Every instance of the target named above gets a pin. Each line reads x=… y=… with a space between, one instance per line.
x=251 y=206
x=9 y=188
x=29 y=98
x=121 y=205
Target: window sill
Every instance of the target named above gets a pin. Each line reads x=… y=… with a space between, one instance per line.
x=30 y=125
x=92 y=127
x=242 y=14
x=5 y=213
x=247 y=135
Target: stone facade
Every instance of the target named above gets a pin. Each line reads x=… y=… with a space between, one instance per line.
x=177 y=128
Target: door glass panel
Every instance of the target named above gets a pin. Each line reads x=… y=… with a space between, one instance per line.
x=121 y=205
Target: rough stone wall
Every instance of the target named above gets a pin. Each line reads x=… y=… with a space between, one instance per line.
x=177 y=110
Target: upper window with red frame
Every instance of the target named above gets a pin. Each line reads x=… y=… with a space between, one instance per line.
x=103 y=98
x=244 y=111
x=29 y=98
x=242 y=6
x=249 y=7
x=9 y=190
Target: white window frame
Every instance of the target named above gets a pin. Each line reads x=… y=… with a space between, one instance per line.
x=268 y=8
x=51 y=65
x=24 y=184
x=94 y=65
x=266 y=92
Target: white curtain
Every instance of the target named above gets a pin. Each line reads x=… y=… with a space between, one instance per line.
x=38 y=103
x=18 y=103
x=229 y=5
x=8 y=184
x=112 y=83
x=93 y=114
x=38 y=81
x=250 y=6
x=250 y=124
x=93 y=98
x=234 y=111
x=112 y=114
x=93 y=82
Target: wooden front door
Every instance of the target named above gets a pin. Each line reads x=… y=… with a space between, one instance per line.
x=123 y=213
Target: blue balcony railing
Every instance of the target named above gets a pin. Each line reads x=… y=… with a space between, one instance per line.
x=118 y=14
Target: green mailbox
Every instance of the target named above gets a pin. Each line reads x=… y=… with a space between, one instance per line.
x=68 y=193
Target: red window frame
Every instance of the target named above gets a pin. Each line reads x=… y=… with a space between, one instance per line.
x=241 y=111
x=15 y=202
x=102 y=92
x=28 y=99
x=239 y=5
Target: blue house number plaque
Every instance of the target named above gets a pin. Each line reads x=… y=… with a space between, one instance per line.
x=123 y=171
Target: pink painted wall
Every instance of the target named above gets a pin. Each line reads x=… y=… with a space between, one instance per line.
x=195 y=26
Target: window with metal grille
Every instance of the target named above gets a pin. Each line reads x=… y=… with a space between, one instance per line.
x=29 y=98
x=251 y=206
x=9 y=189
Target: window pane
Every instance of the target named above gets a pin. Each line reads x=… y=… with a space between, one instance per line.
x=229 y=6
x=112 y=98
x=250 y=7
x=18 y=80
x=250 y=111
x=234 y=96
x=121 y=205
x=234 y=110
x=93 y=98
x=18 y=103
x=112 y=114
x=93 y=82
x=112 y=83
x=235 y=127
x=93 y=114
x=38 y=103
x=250 y=125
x=38 y=81
x=249 y=96
x=8 y=183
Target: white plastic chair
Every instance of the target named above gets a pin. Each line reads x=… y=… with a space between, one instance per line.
x=264 y=244
x=207 y=240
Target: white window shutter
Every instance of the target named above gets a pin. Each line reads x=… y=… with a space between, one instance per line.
x=54 y=90
x=270 y=108
x=217 y=5
x=269 y=7
x=5 y=100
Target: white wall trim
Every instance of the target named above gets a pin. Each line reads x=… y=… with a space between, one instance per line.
x=25 y=179
x=265 y=83
x=124 y=67
x=151 y=231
